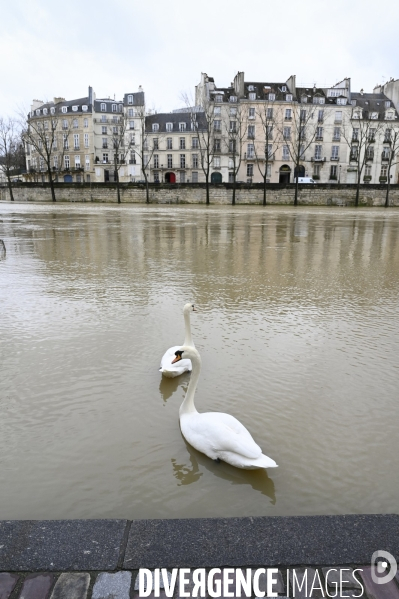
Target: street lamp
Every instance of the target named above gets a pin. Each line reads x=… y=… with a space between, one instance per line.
x=339 y=175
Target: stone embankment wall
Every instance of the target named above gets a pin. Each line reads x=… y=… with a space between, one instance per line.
x=312 y=195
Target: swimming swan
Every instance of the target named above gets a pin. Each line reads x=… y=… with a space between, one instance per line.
x=166 y=367
x=219 y=436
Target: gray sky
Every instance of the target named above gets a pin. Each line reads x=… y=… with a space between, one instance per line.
x=59 y=48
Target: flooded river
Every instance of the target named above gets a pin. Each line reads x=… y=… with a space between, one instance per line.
x=298 y=330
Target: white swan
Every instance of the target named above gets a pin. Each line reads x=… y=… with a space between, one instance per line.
x=167 y=368
x=217 y=435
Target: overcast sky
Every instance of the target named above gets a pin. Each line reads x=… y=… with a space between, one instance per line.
x=60 y=48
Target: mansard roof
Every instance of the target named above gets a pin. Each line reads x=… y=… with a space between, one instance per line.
x=175 y=118
x=372 y=103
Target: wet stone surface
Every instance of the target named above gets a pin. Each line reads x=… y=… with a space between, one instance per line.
x=37 y=586
x=112 y=586
x=7 y=584
x=72 y=585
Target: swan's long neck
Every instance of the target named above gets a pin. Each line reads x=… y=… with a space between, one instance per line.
x=188 y=407
x=187 y=327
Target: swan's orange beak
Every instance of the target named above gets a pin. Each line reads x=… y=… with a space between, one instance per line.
x=177 y=359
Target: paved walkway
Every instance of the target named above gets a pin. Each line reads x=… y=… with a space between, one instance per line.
x=99 y=559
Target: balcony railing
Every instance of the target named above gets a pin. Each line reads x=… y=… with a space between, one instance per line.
x=353 y=158
x=384 y=156
x=318 y=159
x=370 y=156
x=334 y=157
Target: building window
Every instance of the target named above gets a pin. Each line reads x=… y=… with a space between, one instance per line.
x=194 y=177
x=155 y=126
x=385 y=153
x=170 y=160
x=269 y=171
x=182 y=177
x=85 y=123
x=216 y=110
x=130 y=99
x=250 y=170
x=56 y=162
x=132 y=139
x=251 y=131
x=250 y=150
x=156 y=160
x=287 y=133
x=103 y=107
x=105 y=158
x=195 y=160
x=304 y=99
x=341 y=101
x=252 y=96
x=269 y=113
x=333 y=171
x=169 y=126
x=85 y=108
x=218 y=98
x=269 y=150
x=216 y=145
x=130 y=112
x=317 y=152
x=182 y=143
x=64 y=109
x=216 y=162
x=367 y=170
x=105 y=142
x=104 y=130
x=169 y=143
x=194 y=143
x=156 y=143
x=103 y=118
x=318 y=100
x=87 y=163
x=217 y=125
x=288 y=98
x=337 y=133
x=75 y=108
x=233 y=98
x=286 y=153
x=66 y=162
x=319 y=133
x=182 y=161
x=232 y=145
x=272 y=97
x=52 y=110
x=76 y=141
x=65 y=124
x=131 y=124
x=182 y=126
x=231 y=177
x=114 y=108
x=288 y=114
x=338 y=116
x=77 y=161
x=66 y=141
x=374 y=116
x=251 y=113
x=384 y=170
x=316 y=171
x=334 y=152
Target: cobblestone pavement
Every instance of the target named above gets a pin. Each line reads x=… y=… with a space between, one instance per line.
x=318 y=582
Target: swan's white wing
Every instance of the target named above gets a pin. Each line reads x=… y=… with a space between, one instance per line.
x=179 y=367
x=224 y=433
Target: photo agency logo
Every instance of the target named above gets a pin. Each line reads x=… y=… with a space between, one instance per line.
x=383 y=567
x=265 y=582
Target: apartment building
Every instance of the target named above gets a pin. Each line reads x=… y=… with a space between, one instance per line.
x=78 y=138
x=172 y=147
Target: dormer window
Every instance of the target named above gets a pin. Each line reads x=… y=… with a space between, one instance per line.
x=182 y=126
x=155 y=126
x=353 y=102
x=374 y=115
x=288 y=97
x=169 y=126
x=252 y=96
x=218 y=98
x=318 y=100
x=85 y=108
x=304 y=99
x=45 y=110
x=272 y=97
x=37 y=112
x=233 y=98
x=387 y=104
x=52 y=110
x=341 y=101
x=283 y=88
x=113 y=107
x=75 y=108
x=64 y=109
x=103 y=107
x=120 y=107
x=389 y=115
x=250 y=88
x=130 y=99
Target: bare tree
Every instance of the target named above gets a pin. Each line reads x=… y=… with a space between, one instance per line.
x=360 y=134
x=268 y=114
x=237 y=130
x=121 y=147
x=145 y=150
x=297 y=131
x=205 y=130
x=10 y=150
x=391 y=137
x=49 y=142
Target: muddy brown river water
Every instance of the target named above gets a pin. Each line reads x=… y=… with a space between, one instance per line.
x=298 y=329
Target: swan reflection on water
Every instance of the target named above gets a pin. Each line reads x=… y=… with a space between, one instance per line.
x=188 y=474
x=168 y=386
